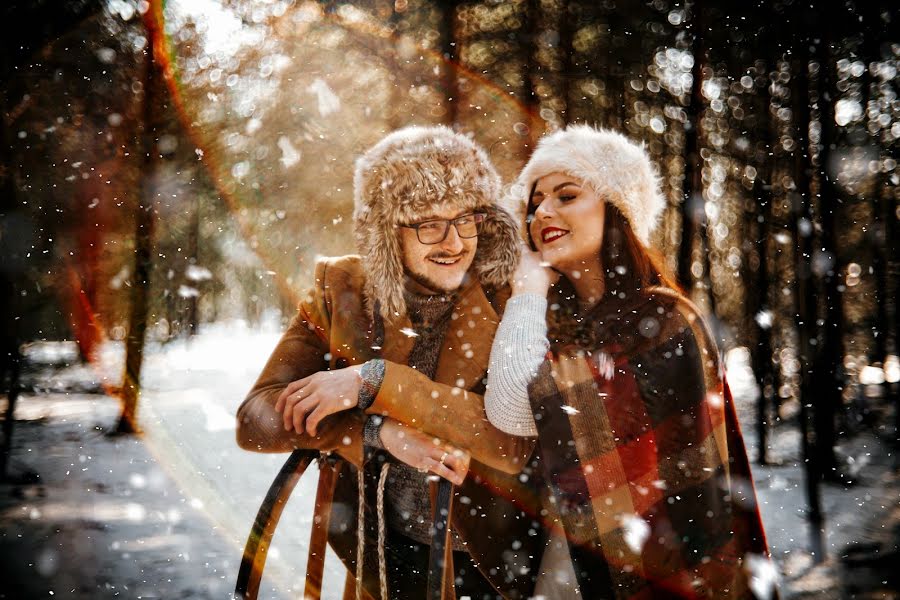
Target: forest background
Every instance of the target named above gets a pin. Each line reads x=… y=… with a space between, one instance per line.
x=166 y=166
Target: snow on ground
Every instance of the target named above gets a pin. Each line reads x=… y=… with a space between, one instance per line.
x=92 y=516
x=192 y=388
x=862 y=515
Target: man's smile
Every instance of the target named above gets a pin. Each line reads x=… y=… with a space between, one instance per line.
x=446 y=261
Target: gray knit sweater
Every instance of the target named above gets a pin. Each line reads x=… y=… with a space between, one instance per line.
x=519 y=348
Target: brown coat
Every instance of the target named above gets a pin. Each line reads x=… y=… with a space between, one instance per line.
x=333 y=329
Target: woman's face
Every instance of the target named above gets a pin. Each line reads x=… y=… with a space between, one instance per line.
x=567 y=224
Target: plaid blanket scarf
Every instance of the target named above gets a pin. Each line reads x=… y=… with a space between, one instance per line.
x=643 y=455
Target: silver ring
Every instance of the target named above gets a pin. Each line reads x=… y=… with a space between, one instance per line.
x=443 y=456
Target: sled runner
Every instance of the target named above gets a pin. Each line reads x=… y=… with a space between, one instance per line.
x=269 y=514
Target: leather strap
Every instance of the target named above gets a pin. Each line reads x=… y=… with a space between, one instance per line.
x=440 y=559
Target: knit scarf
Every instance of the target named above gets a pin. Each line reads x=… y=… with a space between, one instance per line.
x=429 y=316
x=408 y=501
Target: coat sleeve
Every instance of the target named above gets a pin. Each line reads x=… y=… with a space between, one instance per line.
x=300 y=352
x=450 y=413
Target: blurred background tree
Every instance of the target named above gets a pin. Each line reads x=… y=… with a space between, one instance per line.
x=774 y=127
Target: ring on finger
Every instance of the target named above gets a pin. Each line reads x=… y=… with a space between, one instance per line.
x=443 y=456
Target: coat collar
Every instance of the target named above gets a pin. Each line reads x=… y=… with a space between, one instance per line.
x=467 y=343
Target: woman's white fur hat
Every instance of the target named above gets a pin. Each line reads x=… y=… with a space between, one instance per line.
x=409 y=175
x=614 y=166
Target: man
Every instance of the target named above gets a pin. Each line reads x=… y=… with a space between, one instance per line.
x=405 y=329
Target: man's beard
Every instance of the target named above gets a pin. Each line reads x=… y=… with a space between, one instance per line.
x=427 y=283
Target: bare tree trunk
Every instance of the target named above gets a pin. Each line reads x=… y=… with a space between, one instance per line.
x=761 y=319
x=829 y=380
x=615 y=73
x=758 y=234
x=394 y=120
x=145 y=223
x=9 y=299
x=450 y=52
x=884 y=234
x=806 y=297
x=33 y=25
x=693 y=212
x=528 y=43
x=193 y=249
x=10 y=364
x=566 y=51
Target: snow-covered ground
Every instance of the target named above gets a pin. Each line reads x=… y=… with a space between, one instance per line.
x=191 y=392
x=192 y=388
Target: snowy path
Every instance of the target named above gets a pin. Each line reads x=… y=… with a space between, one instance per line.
x=93 y=516
x=193 y=388
x=192 y=392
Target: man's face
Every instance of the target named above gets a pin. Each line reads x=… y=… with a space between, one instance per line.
x=440 y=267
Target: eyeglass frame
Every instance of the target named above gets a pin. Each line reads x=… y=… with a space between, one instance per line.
x=480 y=218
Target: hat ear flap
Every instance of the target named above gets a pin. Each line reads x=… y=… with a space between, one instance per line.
x=382 y=258
x=498 y=252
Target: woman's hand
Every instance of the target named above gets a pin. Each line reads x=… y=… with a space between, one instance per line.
x=424 y=452
x=305 y=402
x=533 y=274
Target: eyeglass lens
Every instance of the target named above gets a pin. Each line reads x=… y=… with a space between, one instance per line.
x=434 y=232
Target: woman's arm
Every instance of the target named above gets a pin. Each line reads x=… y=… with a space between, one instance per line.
x=519 y=348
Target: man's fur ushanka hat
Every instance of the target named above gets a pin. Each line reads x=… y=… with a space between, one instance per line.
x=408 y=176
x=615 y=167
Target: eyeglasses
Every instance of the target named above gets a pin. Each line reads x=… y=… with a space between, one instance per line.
x=435 y=232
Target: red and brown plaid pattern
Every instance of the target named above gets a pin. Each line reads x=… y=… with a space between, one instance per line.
x=646 y=464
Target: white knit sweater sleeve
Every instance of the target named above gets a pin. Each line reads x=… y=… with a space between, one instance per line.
x=519 y=349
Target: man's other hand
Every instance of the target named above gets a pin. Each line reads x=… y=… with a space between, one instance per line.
x=424 y=452
x=305 y=402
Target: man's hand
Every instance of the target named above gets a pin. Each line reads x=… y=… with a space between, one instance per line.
x=305 y=402
x=424 y=452
x=532 y=274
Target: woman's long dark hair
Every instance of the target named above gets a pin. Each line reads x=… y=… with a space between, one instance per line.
x=629 y=266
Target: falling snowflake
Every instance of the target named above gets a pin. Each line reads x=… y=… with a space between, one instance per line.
x=763 y=575
x=185 y=291
x=327 y=99
x=636 y=532
x=764 y=319
x=197 y=273
x=289 y=155
x=606 y=365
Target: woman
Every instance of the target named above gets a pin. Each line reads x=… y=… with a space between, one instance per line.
x=648 y=492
